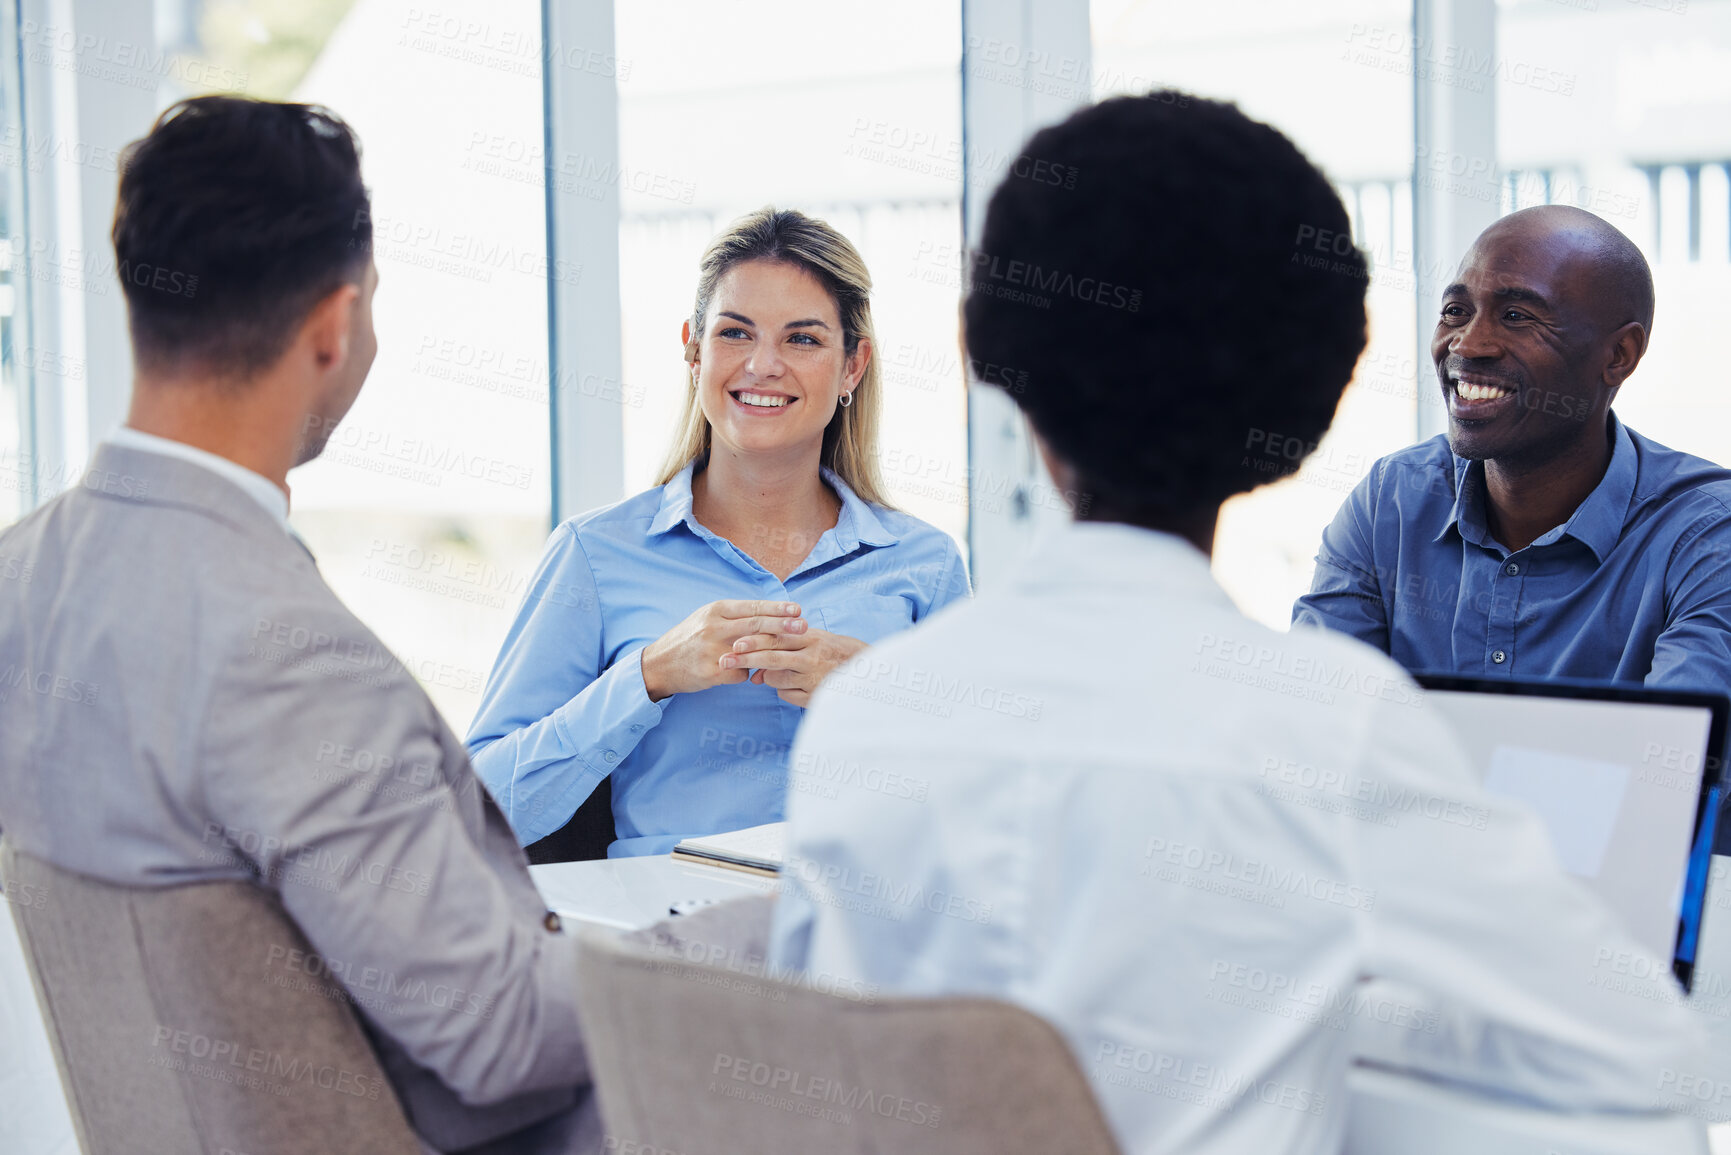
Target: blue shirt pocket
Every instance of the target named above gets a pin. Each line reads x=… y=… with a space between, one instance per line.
x=869 y=617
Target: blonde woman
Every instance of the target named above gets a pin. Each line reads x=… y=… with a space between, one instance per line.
x=672 y=641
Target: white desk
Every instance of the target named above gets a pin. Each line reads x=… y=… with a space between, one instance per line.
x=628 y=893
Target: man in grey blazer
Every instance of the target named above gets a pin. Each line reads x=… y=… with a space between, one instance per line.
x=182 y=698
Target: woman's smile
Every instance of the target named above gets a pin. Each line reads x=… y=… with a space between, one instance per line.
x=761 y=403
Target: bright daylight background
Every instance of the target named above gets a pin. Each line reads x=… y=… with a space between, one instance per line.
x=714 y=122
x=1623 y=108
x=430 y=508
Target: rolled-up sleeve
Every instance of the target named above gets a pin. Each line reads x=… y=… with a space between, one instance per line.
x=553 y=722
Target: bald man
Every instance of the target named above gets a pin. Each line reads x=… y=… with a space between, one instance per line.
x=1541 y=537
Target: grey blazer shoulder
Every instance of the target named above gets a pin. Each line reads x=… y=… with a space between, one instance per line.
x=183 y=698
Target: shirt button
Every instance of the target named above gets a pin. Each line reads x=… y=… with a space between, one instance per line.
x=635 y=729
x=1513 y=568
x=1499 y=657
x=611 y=757
x=552 y=923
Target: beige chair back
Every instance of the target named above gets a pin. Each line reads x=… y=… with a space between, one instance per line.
x=183 y=1020
x=703 y=1060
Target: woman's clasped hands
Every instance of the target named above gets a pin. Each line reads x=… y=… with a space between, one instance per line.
x=733 y=641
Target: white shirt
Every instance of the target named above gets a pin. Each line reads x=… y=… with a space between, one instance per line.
x=256 y=485
x=1190 y=843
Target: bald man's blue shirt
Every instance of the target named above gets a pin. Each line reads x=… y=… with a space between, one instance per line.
x=565 y=705
x=1634 y=587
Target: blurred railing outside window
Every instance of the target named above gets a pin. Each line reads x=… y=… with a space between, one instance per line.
x=1622 y=108
x=1638 y=130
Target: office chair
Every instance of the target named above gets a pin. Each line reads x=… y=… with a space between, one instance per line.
x=693 y=1058
x=587 y=835
x=177 y=1027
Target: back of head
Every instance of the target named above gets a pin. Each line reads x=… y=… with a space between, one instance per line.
x=1165 y=299
x=235 y=217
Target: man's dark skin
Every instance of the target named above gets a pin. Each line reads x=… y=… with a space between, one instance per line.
x=1553 y=306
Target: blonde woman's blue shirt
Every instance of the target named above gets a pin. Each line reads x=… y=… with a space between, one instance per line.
x=565 y=705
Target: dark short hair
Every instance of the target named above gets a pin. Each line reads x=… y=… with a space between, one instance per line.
x=235 y=217
x=1150 y=277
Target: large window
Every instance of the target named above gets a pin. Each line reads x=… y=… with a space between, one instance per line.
x=851 y=113
x=1618 y=108
x=1637 y=128
x=431 y=505
x=16 y=360
x=429 y=508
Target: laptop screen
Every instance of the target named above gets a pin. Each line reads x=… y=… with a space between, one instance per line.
x=1617 y=778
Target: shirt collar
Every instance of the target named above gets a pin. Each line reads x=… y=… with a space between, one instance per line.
x=675 y=508
x=857 y=525
x=255 y=485
x=1597 y=522
x=1106 y=554
x=1467 y=513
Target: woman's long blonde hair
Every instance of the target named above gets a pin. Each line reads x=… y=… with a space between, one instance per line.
x=850 y=441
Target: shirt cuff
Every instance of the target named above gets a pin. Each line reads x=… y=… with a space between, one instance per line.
x=616 y=712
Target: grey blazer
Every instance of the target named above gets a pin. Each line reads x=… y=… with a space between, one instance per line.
x=182 y=698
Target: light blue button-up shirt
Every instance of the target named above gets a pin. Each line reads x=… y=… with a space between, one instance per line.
x=565 y=705
x=1634 y=587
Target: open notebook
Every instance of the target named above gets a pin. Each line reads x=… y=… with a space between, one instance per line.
x=755 y=850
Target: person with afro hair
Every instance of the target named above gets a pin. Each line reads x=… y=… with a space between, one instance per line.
x=1098 y=790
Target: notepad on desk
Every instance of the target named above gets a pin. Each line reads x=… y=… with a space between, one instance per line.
x=755 y=850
